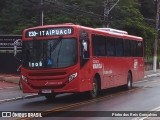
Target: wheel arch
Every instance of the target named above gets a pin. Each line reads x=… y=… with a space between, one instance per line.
x=98 y=78
x=131 y=74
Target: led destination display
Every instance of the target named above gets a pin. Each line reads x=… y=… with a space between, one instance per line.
x=48 y=32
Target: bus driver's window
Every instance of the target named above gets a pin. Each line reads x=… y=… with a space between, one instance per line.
x=84 y=47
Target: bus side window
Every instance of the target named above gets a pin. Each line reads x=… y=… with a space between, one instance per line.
x=98 y=43
x=84 y=40
x=127 y=48
x=119 y=47
x=140 y=49
x=110 y=46
x=134 y=48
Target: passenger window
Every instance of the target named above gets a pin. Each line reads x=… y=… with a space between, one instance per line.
x=110 y=46
x=127 y=48
x=98 y=43
x=119 y=47
x=140 y=49
x=134 y=48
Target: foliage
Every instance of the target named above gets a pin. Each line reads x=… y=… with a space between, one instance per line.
x=148 y=8
x=21 y=14
x=127 y=15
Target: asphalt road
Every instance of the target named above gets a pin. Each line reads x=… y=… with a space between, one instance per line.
x=145 y=96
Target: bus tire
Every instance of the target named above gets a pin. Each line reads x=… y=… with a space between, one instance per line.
x=94 y=92
x=50 y=97
x=129 y=81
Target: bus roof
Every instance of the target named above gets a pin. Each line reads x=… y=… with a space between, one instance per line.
x=113 y=30
x=119 y=34
x=107 y=31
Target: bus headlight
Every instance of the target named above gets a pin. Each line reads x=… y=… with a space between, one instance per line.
x=71 y=77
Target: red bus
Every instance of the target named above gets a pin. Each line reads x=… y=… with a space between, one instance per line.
x=69 y=58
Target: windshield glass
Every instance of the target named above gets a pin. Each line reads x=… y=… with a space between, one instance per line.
x=55 y=53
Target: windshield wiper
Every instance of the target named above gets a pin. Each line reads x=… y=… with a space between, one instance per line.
x=59 y=53
x=54 y=46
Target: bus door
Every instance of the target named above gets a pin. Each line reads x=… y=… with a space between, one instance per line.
x=110 y=67
x=140 y=60
x=85 y=63
x=137 y=53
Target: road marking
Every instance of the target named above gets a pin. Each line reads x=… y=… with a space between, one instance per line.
x=142 y=118
x=152 y=75
x=18 y=98
x=146 y=81
x=46 y=112
x=8 y=87
x=61 y=108
x=85 y=102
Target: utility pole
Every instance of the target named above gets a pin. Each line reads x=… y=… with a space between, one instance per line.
x=107 y=10
x=106 y=13
x=156 y=37
x=42 y=12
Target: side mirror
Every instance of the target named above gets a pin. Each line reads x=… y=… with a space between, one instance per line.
x=15 y=50
x=17 y=43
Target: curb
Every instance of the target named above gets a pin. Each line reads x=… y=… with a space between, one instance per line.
x=19 y=98
x=152 y=75
x=10 y=79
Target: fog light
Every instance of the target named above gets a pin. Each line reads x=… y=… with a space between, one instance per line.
x=71 y=77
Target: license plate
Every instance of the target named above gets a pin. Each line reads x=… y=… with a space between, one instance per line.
x=46 y=91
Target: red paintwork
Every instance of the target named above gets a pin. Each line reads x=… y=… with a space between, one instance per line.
x=113 y=72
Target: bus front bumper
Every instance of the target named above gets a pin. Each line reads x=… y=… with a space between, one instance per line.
x=66 y=89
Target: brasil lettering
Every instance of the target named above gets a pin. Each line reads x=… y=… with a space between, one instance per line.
x=49 y=32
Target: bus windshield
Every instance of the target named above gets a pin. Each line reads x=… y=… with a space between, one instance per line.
x=54 y=53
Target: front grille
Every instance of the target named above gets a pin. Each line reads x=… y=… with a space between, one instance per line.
x=47 y=75
x=48 y=87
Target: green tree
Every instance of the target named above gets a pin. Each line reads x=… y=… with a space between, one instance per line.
x=17 y=14
x=148 y=8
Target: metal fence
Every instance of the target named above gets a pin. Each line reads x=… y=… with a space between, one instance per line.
x=8 y=63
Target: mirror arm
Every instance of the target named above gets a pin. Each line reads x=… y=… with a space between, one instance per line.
x=15 y=46
x=15 y=50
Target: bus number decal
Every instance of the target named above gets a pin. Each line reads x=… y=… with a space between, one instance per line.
x=32 y=33
x=35 y=64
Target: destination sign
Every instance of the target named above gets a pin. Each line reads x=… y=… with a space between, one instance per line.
x=49 y=32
